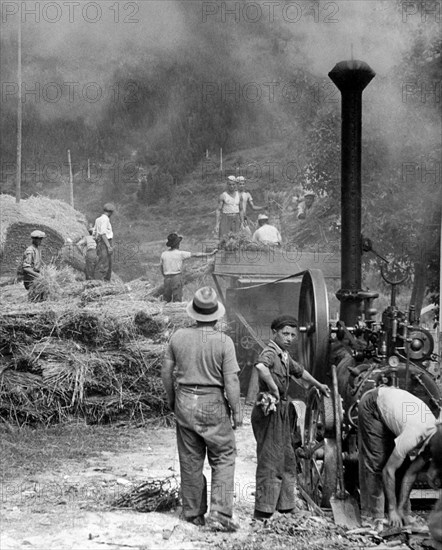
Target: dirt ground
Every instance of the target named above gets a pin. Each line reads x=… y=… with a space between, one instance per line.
x=58 y=487
x=67 y=507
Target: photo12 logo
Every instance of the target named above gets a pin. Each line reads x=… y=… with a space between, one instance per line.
x=426 y=10
x=71 y=12
x=422 y=172
x=55 y=92
x=269 y=12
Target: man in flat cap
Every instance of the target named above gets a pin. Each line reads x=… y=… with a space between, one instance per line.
x=274 y=420
x=305 y=204
x=103 y=234
x=171 y=263
x=31 y=263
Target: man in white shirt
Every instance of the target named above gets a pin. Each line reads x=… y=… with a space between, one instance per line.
x=266 y=233
x=392 y=424
x=171 y=267
x=103 y=234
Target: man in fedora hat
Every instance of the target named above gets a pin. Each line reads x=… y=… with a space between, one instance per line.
x=206 y=403
x=103 y=234
x=266 y=233
x=31 y=263
x=171 y=263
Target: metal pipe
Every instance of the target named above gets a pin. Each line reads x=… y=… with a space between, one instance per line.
x=351 y=77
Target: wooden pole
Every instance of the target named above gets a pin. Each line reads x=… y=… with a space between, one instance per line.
x=221 y=159
x=71 y=181
x=88 y=169
x=19 y=118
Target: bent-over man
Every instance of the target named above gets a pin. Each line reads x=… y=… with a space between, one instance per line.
x=206 y=402
x=435 y=478
x=392 y=424
x=31 y=263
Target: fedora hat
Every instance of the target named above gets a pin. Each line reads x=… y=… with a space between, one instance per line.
x=173 y=239
x=205 y=306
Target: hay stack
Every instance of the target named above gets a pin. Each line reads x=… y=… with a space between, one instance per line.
x=94 y=352
x=57 y=219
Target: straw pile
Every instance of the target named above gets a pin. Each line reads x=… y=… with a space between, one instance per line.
x=94 y=352
x=158 y=495
x=57 y=219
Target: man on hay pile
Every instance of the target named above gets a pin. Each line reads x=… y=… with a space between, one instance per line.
x=200 y=376
x=103 y=234
x=229 y=214
x=31 y=263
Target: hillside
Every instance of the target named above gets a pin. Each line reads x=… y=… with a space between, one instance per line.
x=141 y=229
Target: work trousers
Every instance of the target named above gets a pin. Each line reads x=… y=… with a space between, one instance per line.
x=91 y=261
x=203 y=426
x=104 y=263
x=173 y=288
x=276 y=468
x=229 y=223
x=376 y=443
x=435 y=524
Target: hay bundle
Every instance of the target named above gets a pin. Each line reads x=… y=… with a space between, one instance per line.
x=158 y=495
x=237 y=241
x=100 y=386
x=23 y=328
x=50 y=283
x=92 y=293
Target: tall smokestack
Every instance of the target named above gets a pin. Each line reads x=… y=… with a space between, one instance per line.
x=351 y=77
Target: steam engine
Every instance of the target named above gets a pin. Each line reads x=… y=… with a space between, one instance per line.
x=363 y=349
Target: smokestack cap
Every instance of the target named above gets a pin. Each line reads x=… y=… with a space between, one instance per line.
x=351 y=75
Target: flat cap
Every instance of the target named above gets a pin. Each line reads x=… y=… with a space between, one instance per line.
x=109 y=207
x=37 y=234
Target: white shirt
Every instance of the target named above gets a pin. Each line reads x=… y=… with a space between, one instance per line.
x=172 y=261
x=103 y=227
x=267 y=234
x=230 y=204
x=407 y=416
